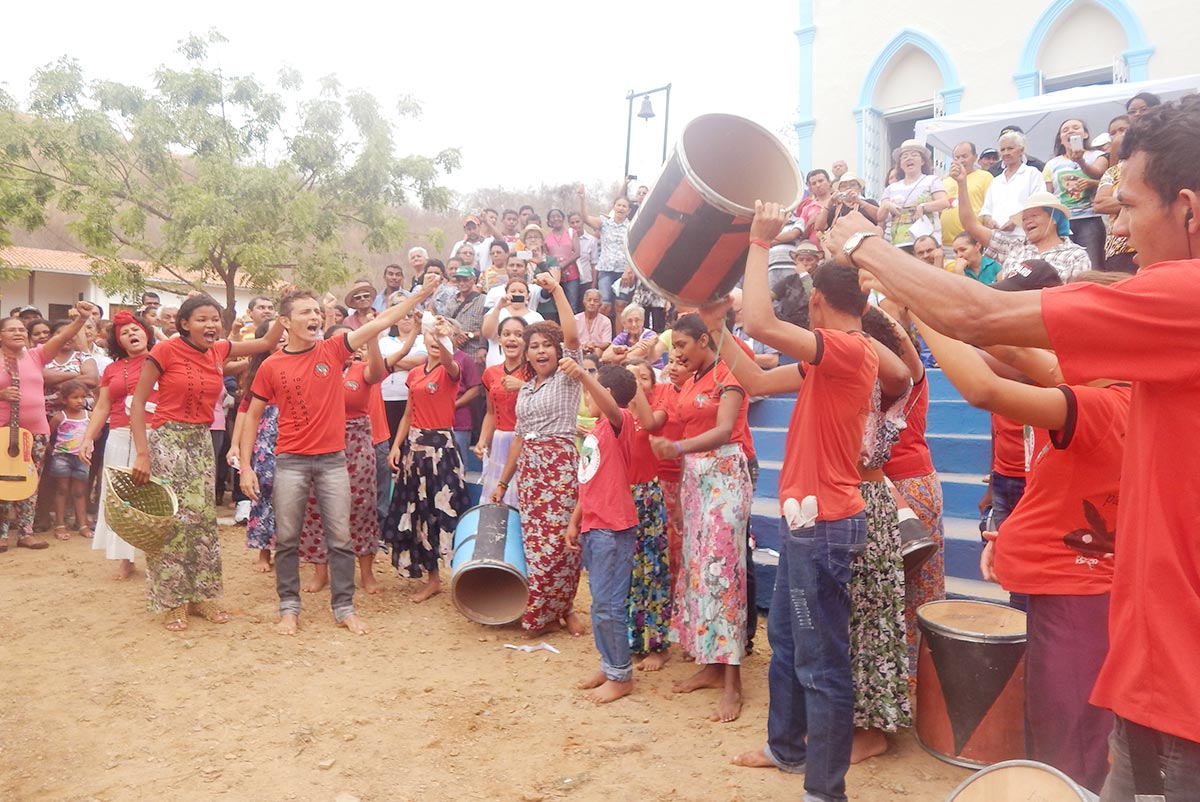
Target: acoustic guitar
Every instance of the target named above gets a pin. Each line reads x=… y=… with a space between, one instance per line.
x=18 y=474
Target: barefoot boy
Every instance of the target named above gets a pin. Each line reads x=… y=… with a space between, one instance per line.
x=305 y=381
x=607 y=520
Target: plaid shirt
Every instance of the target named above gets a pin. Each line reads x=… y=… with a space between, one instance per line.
x=1011 y=249
x=551 y=408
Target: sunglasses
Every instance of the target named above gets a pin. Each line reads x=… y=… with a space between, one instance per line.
x=361 y=296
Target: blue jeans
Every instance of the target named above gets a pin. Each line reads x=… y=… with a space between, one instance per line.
x=326 y=474
x=812 y=688
x=1006 y=492
x=605 y=279
x=383 y=480
x=462 y=441
x=608 y=558
x=1178 y=763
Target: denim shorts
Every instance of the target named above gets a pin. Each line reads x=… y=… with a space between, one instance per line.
x=63 y=465
x=605 y=281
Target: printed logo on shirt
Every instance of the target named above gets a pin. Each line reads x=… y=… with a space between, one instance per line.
x=351 y=385
x=589 y=458
x=1095 y=543
x=702 y=400
x=432 y=388
x=321 y=369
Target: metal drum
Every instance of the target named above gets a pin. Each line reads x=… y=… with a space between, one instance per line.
x=690 y=237
x=971 y=682
x=489 y=583
x=1020 y=781
x=916 y=546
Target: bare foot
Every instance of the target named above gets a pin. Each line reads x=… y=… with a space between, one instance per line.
x=754 y=760
x=729 y=708
x=319 y=580
x=263 y=564
x=707 y=677
x=366 y=570
x=553 y=626
x=432 y=588
x=355 y=624
x=575 y=626
x=124 y=571
x=610 y=691
x=655 y=661
x=288 y=624
x=867 y=744
x=591 y=681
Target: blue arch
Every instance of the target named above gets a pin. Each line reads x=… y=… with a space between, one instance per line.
x=951 y=86
x=1136 y=57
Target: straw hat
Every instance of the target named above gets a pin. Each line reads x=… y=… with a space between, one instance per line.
x=360 y=284
x=850 y=178
x=1041 y=200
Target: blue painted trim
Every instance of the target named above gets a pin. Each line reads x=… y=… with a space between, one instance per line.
x=1136 y=57
x=804 y=147
x=921 y=41
x=806 y=34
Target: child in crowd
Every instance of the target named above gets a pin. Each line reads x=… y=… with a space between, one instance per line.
x=68 y=471
x=607 y=521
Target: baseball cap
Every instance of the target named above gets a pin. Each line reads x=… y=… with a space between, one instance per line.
x=1011 y=127
x=990 y=152
x=463 y=271
x=471 y=218
x=1033 y=274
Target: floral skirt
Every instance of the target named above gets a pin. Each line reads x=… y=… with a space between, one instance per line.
x=670 y=491
x=260 y=528
x=877 y=649
x=119 y=451
x=650 y=590
x=188 y=569
x=364 y=518
x=430 y=494
x=547 y=490
x=710 y=612
x=924 y=497
x=493 y=468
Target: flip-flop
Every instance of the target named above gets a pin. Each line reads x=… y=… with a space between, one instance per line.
x=86 y=532
x=61 y=533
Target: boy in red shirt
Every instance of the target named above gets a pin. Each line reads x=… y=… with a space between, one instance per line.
x=305 y=381
x=607 y=520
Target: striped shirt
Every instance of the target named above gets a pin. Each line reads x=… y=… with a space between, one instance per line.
x=549 y=409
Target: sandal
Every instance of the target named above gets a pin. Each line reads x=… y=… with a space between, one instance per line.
x=61 y=533
x=32 y=542
x=86 y=532
x=175 y=619
x=211 y=612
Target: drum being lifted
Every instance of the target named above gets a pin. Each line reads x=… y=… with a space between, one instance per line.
x=691 y=235
x=489 y=581
x=971 y=682
x=1019 y=780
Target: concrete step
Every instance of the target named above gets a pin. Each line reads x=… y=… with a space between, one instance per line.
x=956 y=416
x=960 y=453
x=961 y=493
x=774 y=411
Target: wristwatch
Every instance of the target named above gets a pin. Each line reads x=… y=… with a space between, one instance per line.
x=852 y=244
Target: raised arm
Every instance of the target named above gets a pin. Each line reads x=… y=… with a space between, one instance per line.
x=566 y=315
x=392 y=315
x=590 y=219
x=752 y=376
x=650 y=418
x=966 y=212
x=240 y=348
x=67 y=333
x=603 y=398
x=375 y=371
x=757 y=311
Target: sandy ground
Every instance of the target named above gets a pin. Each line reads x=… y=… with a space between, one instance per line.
x=102 y=704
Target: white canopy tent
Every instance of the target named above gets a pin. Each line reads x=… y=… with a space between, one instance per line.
x=1039 y=117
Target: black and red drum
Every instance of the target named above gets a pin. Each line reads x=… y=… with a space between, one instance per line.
x=691 y=235
x=971 y=682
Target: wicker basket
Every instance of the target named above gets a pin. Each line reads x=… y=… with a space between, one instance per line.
x=141 y=515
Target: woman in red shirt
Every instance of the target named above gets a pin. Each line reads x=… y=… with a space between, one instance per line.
x=129 y=343
x=710 y=612
x=185 y=577
x=431 y=491
x=502 y=382
x=1057 y=546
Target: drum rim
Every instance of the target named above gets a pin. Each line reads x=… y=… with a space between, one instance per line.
x=988 y=769
x=966 y=635
x=488 y=504
x=508 y=568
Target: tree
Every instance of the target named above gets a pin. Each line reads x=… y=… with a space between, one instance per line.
x=213 y=178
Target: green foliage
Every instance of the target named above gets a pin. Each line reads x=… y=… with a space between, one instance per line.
x=213 y=178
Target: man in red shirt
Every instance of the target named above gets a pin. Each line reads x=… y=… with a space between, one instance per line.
x=824 y=526
x=1143 y=330
x=305 y=381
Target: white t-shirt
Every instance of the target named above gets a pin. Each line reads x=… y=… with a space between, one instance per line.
x=494 y=355
x=395 y=386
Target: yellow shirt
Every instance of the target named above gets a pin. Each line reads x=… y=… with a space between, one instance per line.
x=978 y=182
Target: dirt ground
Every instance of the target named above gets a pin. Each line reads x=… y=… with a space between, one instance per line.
x=103 y=704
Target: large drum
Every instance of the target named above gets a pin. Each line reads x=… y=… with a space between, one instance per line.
x=690 y=237
x=971 y=682
x=916 y=546
x=1017 y=780
x=488 y=583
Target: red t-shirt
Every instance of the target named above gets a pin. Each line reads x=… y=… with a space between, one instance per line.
x=356 y=391
x=307 y=388
x=643 y=464
x=698 y=401
x=504 y=402
x=1014 y=446
x=191 y=380
x=666 y=398
x=431 y=397
x=824 y=439
x=910 y=457
x=380 y=431
x=1143 y=329
x=1060 y=539
x=121 y=378
x=604 y=476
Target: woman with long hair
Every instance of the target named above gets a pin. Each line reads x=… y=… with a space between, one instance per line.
x=175 y=445
x=544 y=460
x=563 y=244
x=1073 y=175
x=502 y=383
x=514 y=303
x=129 y=342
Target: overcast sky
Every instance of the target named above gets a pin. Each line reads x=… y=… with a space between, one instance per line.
x=534 y=95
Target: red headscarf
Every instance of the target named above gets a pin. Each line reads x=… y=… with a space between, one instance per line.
x=124 y=318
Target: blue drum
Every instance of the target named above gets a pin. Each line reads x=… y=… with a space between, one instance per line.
x=488 y=575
